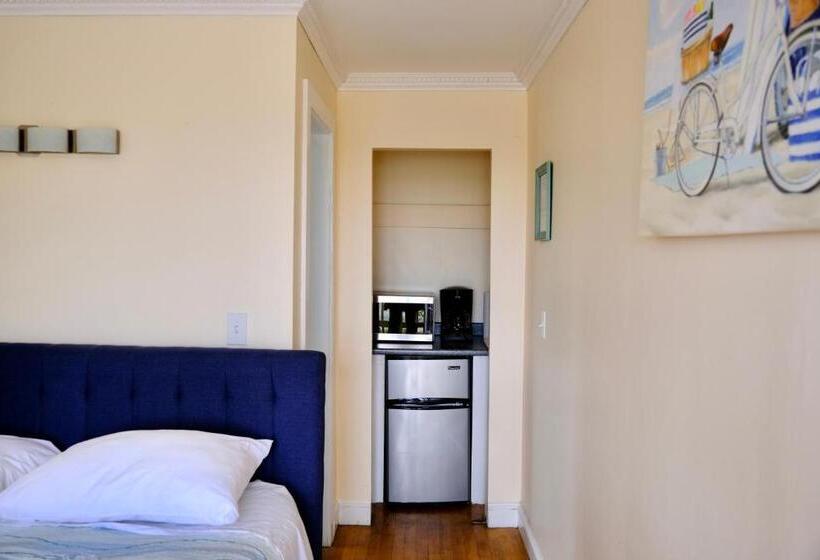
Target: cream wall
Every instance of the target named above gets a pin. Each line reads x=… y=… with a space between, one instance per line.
x=194 y=219
x=672 y=410
x=431 y=222
x=493 y=121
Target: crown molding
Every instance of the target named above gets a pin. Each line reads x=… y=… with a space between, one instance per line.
x=318 y=37
x=431 y=81
x=149 y=7
x=559 y=24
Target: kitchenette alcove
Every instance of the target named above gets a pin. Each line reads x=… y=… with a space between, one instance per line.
x=431 y=231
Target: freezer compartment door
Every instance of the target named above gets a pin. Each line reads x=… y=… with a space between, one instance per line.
x=428 y=455
x=419 y=379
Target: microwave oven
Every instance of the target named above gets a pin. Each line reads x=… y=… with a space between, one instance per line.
x=403 y=317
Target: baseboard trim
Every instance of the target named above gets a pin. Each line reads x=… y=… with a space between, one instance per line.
x=527 y=535
x=503 y=514
x=354 y=513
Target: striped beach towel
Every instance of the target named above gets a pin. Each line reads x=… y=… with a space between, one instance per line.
x=697 y=23
x=804 y=132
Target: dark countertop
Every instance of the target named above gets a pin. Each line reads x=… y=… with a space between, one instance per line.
x=476 y=348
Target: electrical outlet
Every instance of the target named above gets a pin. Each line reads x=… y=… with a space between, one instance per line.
x=237 y=329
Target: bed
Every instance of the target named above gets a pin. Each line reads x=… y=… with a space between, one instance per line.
x=68 y=394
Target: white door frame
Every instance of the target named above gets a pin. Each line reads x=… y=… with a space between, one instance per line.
x=314 y=108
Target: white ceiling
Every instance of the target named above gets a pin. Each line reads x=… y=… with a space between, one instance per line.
x=504 y=38
x=434 y=35
x=387 y=44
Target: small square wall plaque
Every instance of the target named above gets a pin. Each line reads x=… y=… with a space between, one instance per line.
x=44 y=139
x=96 y=141
x=9 y=139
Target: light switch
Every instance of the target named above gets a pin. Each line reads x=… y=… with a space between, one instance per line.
x=542 y=326
x=237 y=329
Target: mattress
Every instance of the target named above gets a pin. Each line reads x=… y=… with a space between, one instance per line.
x=268 y=528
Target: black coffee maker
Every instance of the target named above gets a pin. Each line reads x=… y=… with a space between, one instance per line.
x=456 y=315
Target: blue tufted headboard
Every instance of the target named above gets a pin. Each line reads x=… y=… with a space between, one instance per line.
x=67 y=394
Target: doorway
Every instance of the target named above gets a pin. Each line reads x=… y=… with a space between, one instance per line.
x=431 y=231
x=316 y=286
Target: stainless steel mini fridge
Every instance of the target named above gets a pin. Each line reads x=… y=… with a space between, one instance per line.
x=428 y=431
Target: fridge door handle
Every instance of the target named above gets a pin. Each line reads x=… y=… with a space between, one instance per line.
x=428 y=404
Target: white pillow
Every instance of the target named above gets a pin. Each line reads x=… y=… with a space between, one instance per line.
x=19 y=456
x=165 y=476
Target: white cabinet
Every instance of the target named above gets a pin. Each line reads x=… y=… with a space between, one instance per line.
x=379 y=369
x=481 y=413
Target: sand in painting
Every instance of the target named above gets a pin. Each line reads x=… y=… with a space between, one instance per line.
x=737 y=201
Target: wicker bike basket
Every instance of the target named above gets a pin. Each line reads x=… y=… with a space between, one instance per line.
x=696 y=39
x=695 y=58
x=800 y=10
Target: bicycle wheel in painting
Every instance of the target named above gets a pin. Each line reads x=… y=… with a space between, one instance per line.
x=697 y=140
x=790 y=125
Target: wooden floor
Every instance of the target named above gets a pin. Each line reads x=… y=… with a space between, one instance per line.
x=416 y=533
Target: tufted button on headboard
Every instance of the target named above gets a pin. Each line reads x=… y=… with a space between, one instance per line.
x=67 y=394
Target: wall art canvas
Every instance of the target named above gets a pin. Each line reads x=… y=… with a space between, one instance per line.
x=731 y=119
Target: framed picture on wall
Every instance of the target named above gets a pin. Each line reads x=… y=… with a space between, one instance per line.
x=752 y=163
x=543 y=202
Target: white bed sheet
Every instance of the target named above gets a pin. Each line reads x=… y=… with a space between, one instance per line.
x=267 y=512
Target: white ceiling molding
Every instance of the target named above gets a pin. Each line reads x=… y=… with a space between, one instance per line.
x=316 y=34
x=149 y=7
x=559 y=24
x=431 y=81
